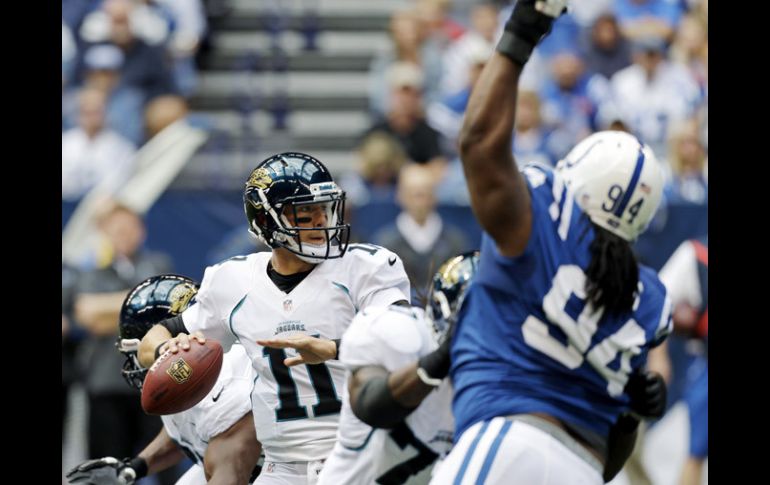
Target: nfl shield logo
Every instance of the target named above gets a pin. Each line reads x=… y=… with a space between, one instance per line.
x=180 y=371
x=287 y=305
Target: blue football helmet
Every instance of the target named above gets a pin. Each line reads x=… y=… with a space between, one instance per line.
x=448 y=289
x=288 y=182
x=152 y=300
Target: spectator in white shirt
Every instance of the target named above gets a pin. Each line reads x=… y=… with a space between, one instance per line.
x=91 y=153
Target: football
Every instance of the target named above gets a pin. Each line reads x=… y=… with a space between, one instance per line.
x=177 y=382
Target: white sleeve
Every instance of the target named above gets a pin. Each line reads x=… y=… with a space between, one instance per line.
x=204 y=315
x=680 y=276
x=233 y=393
x=387 y=337
x=355 y=342
x=383 y=281
x=232 y=404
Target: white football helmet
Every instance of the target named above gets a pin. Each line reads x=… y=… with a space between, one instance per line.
x=616 y=180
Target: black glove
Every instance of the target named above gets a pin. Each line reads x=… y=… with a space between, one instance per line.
x=530 y=21
x=647 y=391
x=106 y=471
x=434 y=367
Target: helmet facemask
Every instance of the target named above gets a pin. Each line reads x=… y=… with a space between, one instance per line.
x=132 y=371
x=439 y=313
x=448 y=289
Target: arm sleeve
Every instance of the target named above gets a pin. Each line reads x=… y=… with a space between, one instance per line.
x=383 y=282
x=205 y=315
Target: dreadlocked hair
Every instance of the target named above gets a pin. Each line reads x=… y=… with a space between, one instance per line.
x=613 y=273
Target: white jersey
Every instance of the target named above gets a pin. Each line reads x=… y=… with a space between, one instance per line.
x=195 y=475
x=392 y=338
x=296 y=410
x=227 y=402
x=680 y=275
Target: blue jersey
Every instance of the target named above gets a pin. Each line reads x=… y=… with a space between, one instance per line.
x=526 y=340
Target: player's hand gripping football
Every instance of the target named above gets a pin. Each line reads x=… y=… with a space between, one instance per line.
x=647 y=391
x=181 y=341
x=104 y=471
x=312 y=350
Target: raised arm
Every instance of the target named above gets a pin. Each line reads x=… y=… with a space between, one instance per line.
x=499 y=194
